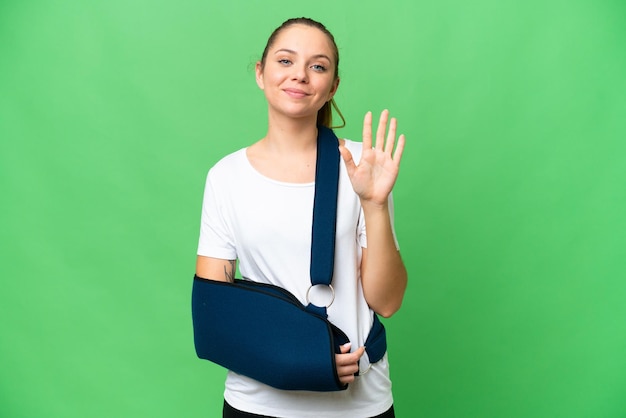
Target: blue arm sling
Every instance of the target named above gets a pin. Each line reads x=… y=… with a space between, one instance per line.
x=263 y=331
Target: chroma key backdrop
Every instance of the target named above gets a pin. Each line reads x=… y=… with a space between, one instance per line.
x=510 y=206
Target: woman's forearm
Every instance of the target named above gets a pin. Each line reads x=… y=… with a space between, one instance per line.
x=383 y=273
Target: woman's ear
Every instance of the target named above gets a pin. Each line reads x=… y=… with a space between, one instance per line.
x=258 y=69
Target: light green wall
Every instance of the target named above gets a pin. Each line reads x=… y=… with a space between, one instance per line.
x=510 y=206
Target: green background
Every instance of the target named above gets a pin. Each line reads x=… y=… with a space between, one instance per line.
x=510 y=208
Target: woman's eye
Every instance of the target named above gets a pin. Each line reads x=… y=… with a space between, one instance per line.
x=318 y=67
x=284 y=61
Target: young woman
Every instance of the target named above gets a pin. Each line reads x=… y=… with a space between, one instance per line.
x=257 y=211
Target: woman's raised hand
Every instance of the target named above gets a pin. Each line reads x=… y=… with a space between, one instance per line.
x=373 y=178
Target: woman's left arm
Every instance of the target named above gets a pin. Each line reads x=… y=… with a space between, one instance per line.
x=383 y=274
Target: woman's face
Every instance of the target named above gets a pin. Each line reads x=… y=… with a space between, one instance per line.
x=299 y=72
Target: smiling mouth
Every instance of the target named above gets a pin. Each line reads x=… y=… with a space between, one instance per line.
x=297 y=94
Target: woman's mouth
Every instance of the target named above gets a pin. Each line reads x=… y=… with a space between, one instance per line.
x=295 y=93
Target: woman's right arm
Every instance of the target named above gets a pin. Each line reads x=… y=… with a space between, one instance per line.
x=224 y=270
x=216 y=268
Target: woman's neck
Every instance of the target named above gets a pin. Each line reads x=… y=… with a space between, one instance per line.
x=287 y=153
x=291 y=136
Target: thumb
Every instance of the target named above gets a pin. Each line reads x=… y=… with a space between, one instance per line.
x=345 y=348
x=347 y=159
x=361 y=351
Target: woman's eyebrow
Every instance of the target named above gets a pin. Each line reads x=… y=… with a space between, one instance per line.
x=289 y=51
x=322 y=56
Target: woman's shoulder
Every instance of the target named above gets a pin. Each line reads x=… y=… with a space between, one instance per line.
x=226 y=170
x=354 y=147
x=350 y=144
x=230 y=161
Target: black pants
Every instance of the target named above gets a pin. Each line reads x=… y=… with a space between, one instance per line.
x=230 y=412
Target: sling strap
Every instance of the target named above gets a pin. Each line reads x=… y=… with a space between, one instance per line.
x=324 y=230
x=325 y=207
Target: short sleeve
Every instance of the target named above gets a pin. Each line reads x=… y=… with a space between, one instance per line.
x=216 y=237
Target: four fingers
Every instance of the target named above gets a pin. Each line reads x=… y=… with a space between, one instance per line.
x=383 y=144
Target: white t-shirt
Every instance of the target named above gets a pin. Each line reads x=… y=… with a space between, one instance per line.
x=266 y=225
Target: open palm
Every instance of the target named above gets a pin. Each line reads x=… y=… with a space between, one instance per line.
x=373 y=178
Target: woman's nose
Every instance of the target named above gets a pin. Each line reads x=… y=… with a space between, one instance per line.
x=299 y=73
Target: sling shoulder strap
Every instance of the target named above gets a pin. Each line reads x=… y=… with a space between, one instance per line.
x=325 y=207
